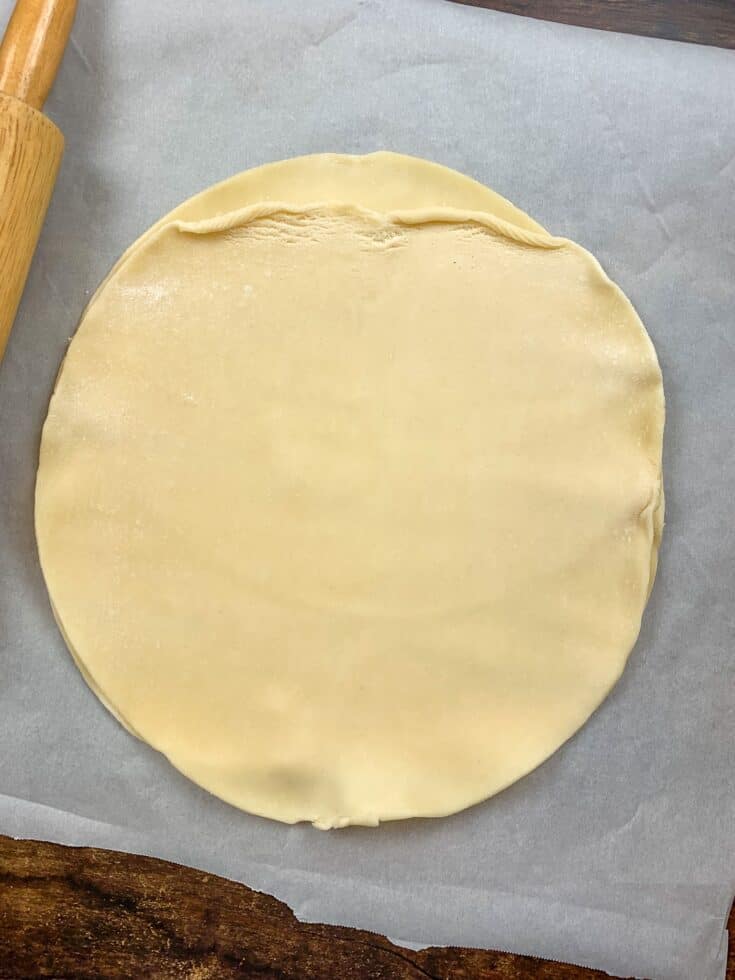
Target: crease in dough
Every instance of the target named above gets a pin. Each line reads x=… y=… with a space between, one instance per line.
x=410 y=218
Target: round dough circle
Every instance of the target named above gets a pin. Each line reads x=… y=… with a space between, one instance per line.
x=351 y=508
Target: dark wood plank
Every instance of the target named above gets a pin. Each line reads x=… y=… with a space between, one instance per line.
x=87 y=913
x=699 y=21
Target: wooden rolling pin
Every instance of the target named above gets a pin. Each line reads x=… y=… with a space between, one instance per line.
x=30 y=145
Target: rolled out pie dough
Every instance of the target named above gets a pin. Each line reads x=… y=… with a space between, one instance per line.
x=349 y=496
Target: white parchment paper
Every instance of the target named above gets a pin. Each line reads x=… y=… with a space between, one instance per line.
x=619 y=852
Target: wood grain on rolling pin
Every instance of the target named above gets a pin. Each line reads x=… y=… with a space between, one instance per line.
x=30 y=145
x=30 y=153
x=33 y=47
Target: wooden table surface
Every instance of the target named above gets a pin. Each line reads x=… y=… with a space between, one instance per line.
x=87 y=913
x=698 y=21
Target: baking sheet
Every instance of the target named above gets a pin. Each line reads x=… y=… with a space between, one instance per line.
x=619 y=852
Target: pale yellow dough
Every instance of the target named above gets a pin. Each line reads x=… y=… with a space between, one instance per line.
x=352 y=508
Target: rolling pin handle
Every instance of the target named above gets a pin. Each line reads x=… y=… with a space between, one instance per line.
x=33 y=46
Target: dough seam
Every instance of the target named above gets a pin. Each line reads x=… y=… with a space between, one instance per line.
x=416 y=216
